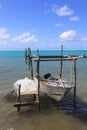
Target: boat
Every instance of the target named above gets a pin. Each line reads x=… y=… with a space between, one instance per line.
x=55 y=87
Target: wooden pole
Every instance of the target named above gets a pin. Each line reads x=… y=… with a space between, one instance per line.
x=25 y=56
x=38 y=72
x=31 y=69
x=61 y=61
x=74 y=83
x=19 y=97
x=30 y=62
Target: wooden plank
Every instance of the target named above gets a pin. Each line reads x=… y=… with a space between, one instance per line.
x=28 y=93
x=66 y=59
x=25 y=104
x=56 y=56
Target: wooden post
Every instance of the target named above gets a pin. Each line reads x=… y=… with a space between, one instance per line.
x=31 y=69
x=38 y=70
x=19 y=97
x=61 y=61
x=30 y=62
x=25 y=56
x=74 y=83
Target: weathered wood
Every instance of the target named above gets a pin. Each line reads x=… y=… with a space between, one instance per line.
x=19 y=103
x=25 y=56
x=61 y=61
x=28 y=93
x=25 y=104
x=30 y=62
x=31 y=69
x=38 y=58
x=56 y=56
x=29 y=58
x=66 y=59
x=38 y=75
x=19 y=98
x=75 y=83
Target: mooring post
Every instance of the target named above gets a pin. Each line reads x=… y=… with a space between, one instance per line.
x=19 y=97
x=30 y=62
x=74 y=83
x=31 y=69
x=61 y=61
x=38 y=69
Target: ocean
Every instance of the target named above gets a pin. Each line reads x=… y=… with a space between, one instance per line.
x=53 y=115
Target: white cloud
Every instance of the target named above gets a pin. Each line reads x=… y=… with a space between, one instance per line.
x=3 y=33
x=25 y=38
x=58 y=25
x=63 y=11
x=83 y=38
x=68 y=35
x=74 y=18
x=20 y=37
x=71 y=35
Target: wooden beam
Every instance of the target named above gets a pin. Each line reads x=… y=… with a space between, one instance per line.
x=57 y=56
x=25 y=104
x=28 y=93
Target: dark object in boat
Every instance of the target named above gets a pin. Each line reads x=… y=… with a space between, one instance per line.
x=46 y=76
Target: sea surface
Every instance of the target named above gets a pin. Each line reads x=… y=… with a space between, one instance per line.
x=52 y=115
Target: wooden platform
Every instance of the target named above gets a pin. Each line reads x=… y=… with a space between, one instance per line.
x=20 y=103
x=27 y=93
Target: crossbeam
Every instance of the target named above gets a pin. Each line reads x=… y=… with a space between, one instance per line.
x=55 y=58
x=21 y=104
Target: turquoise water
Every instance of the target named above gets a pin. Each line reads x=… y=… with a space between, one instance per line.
x=53 y=115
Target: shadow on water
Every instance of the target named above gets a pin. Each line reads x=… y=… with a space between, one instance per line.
x=80 y=112
x=67 y=106
x=48 y=105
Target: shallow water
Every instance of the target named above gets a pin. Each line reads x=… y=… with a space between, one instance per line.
x=52 y=115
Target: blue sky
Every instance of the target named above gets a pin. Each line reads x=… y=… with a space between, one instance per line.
x=43 y=24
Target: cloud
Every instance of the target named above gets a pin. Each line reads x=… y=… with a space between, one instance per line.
x=25 y=38
x=58 y=25
x=4 y=34
x=74 y=18
x=63 y=11
x=83 y=38
x=71 y=35
x=68 y=35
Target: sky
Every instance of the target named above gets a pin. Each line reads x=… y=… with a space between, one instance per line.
x=43 y=24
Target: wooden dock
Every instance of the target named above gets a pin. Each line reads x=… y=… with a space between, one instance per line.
x=38 y=59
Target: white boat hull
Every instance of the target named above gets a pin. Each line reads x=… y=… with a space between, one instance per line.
x=54 y=90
